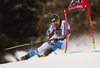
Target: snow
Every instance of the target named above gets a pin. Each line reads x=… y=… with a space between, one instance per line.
x=67 y=60
x=18 y=54
x=80 y=54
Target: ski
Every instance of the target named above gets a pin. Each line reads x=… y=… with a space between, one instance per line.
x=40 y=55
x=17 y=59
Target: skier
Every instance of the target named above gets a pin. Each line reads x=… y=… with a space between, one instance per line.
x=58 y=40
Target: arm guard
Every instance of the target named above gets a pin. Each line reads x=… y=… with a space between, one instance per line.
x=47 y=32
x=61 y=37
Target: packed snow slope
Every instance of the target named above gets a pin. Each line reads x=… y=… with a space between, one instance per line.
x=77 y=59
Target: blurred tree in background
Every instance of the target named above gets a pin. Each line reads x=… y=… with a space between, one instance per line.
x=25 y=20
x=17 y=17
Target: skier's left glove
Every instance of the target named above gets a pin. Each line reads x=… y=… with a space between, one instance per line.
x=52 y=41
x=47 y=38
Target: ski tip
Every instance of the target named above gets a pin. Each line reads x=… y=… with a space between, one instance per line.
x=17 y=59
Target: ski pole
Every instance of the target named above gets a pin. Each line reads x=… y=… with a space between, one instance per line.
x=31 y=43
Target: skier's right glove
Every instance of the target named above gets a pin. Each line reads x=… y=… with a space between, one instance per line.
x=47 y=38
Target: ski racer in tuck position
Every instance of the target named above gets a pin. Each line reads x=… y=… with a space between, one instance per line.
x=58 y=40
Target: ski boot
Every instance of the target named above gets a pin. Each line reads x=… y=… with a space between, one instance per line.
x=25 y=57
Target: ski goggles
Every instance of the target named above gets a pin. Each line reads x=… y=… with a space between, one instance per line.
x=56 y=22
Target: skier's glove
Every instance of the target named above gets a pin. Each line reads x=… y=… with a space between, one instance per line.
x=47 y=38
x=52 y=41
